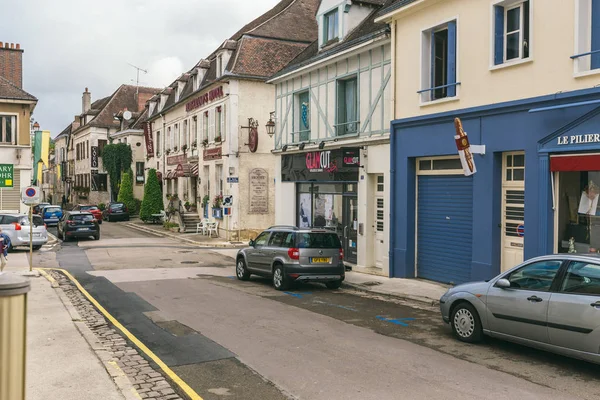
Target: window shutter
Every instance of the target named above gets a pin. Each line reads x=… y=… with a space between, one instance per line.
x=498 y=35
x=595 y=33
x=451 y=58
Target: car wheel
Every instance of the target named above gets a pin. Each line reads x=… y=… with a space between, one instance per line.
x=97 y=237
x=280 y=281
x=58 y=233
x=333 y=284
x=466 y=324
x=241 y=271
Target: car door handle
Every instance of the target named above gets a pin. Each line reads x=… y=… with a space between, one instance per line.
x=596 y=304
x=535 y=299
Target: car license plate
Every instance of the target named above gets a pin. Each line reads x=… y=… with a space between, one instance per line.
x=37 y=234
x=83 y=229
x=320 y=260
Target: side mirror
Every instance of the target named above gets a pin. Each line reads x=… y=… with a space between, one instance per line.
x=251 y=243
x=503 y=284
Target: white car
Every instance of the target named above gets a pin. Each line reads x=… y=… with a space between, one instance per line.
x=17 y=227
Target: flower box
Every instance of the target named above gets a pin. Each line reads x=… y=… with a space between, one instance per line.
x=217 y=213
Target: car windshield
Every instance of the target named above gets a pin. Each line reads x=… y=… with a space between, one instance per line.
x=82 y=217
x=318 y=241
x=52 y=209
x=38 y=221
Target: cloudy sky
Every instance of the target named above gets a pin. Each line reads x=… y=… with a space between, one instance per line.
x=73 y=44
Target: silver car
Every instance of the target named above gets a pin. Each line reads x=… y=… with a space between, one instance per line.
x=550 y=302
x=287 y=254
x=16 y=226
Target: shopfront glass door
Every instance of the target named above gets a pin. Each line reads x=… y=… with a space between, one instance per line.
x=350 y=232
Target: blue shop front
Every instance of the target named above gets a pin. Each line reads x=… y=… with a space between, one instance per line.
x=535 y=190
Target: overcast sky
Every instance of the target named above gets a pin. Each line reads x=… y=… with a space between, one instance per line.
x=73 y=44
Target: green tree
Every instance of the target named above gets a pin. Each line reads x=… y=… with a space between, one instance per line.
x=152 y=203
x=116 y=159
x=126 y=192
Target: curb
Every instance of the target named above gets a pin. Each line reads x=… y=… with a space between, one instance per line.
x=173 y=236
x=121 y=380
x=423 y=300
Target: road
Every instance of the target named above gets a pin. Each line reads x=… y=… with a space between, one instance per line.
x=244 y=340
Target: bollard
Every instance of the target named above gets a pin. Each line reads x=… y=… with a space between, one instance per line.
x=13 y=335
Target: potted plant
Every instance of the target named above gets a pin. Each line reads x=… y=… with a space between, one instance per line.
x=216 y=206
x=205 y=201
x=175 y=148
x=187 y=206
x=168 y=151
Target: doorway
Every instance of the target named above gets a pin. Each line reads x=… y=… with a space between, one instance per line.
x=379 y=247
x=350 y=233
x=513 y=209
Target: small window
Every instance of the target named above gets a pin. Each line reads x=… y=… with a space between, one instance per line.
x=8 y=129
x=301 y=117
x=139 y=172
x=261 y=240
x=347 y=106
x=537 y=276
x=587 y=32
x=439 y=63
x=582 y=278
x=511 y=31
x=515 y=167
x=330 y=26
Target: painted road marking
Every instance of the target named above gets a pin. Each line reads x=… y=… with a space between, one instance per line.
x=297 y=295
x=335 y=305
x=172 y=375
x=399 y=321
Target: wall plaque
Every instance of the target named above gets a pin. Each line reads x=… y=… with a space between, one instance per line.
x=259 y=191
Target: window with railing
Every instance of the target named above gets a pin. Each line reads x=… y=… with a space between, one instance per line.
x=438 y=74
x=347 y=106
x=587 y=33
x=301 y=117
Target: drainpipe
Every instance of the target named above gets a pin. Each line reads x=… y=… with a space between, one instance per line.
x=393 y=160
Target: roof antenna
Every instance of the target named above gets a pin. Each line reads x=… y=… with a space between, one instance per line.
x=137 y=81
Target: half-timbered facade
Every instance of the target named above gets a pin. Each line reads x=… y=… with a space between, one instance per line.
x=332 y=133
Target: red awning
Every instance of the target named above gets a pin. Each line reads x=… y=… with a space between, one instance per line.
x=587 y=162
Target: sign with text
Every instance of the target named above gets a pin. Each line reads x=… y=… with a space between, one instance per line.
x=351 y=157
x=259 y=191
x=233 y=179
x=325 y=165
x=178 y=159
x=213 y=154
x=206 y=98
x=94 y=157
x=7 y=175
x=148 y=139
x=579 y=139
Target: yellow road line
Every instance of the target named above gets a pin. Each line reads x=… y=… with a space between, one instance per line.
x=172 y=375
x=48 y=277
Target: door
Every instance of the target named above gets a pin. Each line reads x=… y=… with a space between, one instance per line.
x=513 y=210
x=574 y=311
x=379 y=247
x=350 y=234
x=255 y=256
x=521 y=310
x=445 y=228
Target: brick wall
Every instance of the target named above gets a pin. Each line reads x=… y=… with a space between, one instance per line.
x=11 y=63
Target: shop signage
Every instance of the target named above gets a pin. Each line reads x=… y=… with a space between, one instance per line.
x=6 y=175
x=204 y=99
x=212 y=154
x=178 y=159
x=149 y=140
x=259 y=191
x=94 y=158
x=464 y=149
x=579 y=139
x=233 y=179
x=327 y=165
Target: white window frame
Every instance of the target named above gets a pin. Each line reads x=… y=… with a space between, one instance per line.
x=325 y=38
x=15 y=129
x=510 y=4
x=521 y=31
x=582 y=66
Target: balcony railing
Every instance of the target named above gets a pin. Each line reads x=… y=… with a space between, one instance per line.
x=346 y=128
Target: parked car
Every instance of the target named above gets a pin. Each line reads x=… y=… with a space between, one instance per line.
x=116 y=212
x=38 y=208
x=90 y=208
x=550 y=302
x=51 y=214
x=77 y=224
x=17 y=227
x=288 y=254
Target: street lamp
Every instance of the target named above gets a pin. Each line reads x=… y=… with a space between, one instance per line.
x=271 y=125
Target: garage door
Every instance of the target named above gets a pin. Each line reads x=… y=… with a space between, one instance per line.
x=444 y=228
x=10 y=198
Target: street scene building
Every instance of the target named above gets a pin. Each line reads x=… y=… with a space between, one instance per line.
x=332 y=133
x=16 y=108
x=209 y=126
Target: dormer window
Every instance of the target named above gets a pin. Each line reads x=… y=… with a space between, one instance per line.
x=219 y=65
x=330 y=26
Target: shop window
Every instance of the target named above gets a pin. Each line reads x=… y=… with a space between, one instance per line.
x=320 y=206
x=139 y=173
x=347 y=106
x=587 y=32
x=330 y=26
x=439 y=63
x=515 y=167
x=301 y=117
x=511 y=31
x=8 y=129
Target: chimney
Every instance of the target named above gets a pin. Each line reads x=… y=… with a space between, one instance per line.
x=86 y=101
x=75 y=124
x=11 y=63
x=143 y=98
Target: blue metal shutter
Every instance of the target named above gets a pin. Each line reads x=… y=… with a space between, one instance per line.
x=452 y=58
x=444 y=228
x=595 y=33
x=498 y=35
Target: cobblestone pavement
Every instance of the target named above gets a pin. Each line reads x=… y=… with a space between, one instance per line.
x=149 y=383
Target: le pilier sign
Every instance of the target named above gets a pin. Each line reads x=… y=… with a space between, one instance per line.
x=579 y=139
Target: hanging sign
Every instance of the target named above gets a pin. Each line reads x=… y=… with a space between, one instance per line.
x=464 y=149
x=148 y=139
x=94 y=158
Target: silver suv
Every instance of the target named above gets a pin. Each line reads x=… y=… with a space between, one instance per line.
x=288 y=254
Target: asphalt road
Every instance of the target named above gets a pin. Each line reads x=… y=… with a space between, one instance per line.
x=244 y=340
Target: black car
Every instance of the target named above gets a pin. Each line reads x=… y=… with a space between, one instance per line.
x=116 y=212
x=76 y=224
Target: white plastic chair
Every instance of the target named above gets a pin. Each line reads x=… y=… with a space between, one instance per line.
x=213 y=227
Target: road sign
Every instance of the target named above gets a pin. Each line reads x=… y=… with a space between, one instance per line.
x=521 y=230
x=228 y=200
x=233 y=179
x=30 y=195
x=6 y=175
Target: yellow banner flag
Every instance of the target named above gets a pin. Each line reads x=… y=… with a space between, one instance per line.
x=45 y=148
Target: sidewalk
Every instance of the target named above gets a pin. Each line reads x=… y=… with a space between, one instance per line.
x=192 y=238
x=60 y=363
